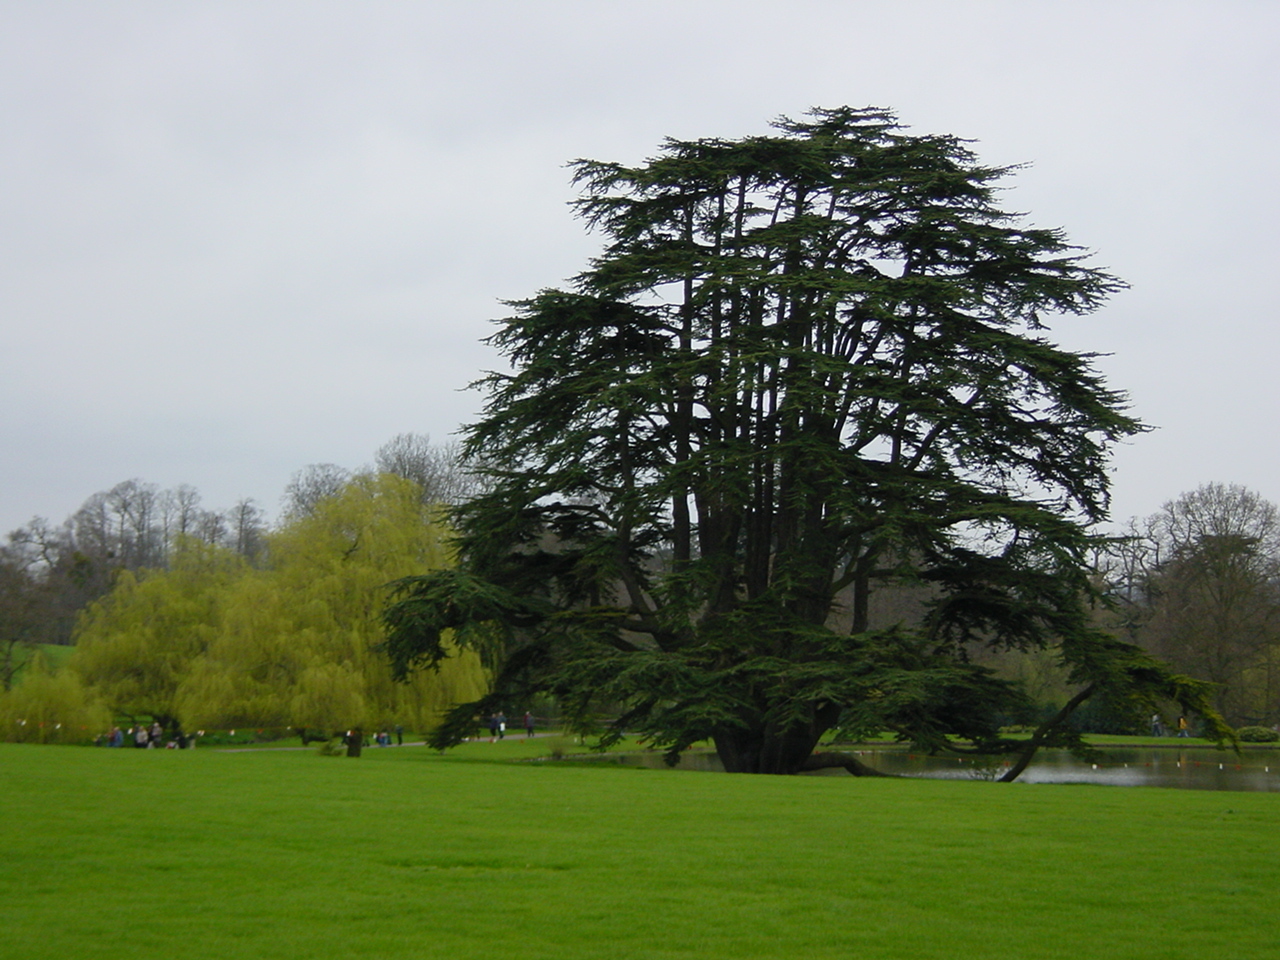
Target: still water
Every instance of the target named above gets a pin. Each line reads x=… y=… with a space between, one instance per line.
x=1189 y=769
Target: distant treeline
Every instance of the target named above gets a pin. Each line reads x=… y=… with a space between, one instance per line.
x=50 y=573
x=216 y=640
x=150 y=571
x=1198 y=585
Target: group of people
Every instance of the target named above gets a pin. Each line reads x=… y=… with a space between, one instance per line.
x=1158 y=728
x=383 y=739
x=143 y=737
x=498 y=725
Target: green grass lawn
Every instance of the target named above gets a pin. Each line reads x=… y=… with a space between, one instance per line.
x=55 y=654
x=132 y=855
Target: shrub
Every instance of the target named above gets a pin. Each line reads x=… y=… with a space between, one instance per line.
x=49 y=707
x=1258 y=735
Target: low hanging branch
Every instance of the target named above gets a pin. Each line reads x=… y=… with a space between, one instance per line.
x=1045 y=731
x=833 y=760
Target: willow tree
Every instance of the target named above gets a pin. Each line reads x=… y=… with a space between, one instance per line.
x=51 y=706
x=808 y=368
x=213 y=642
x=137 y=644
x=297 y=642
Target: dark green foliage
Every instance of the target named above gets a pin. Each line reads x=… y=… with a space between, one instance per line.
x=803 y=373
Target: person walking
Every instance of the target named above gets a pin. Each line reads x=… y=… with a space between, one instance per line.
x=502 y=725
x=399 y=735
x=493 y=727
x=528 y=723
x=140 y=738
x=1183 y=728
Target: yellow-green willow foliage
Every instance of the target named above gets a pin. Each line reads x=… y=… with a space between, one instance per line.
x=51 y=707
x=136 y=645
x=212 y=642
x=297 y=642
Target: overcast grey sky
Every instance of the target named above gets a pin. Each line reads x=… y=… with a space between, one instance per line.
x=240 y=237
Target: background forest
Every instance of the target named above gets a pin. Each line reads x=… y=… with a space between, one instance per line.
x=197 y=618
x=219 y=619
x=1198 y=585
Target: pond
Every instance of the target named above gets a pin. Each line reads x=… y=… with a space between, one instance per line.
x=1202 y=768
x=1194 y=768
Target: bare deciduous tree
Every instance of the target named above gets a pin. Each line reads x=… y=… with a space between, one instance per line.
x=438 y=469
x=1199 y=584
x=247 y=528
x=310 y=485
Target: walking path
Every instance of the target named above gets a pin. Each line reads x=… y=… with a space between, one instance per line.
x=414 y=743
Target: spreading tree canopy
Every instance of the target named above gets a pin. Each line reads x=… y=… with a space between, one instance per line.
x=785 y=453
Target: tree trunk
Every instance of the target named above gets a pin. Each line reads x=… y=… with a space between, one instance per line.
x=764 y=751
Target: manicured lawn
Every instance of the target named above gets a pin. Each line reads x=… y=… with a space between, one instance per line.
x=132 y=855
x=55 y=654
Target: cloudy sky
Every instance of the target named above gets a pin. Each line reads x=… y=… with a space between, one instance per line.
x=237 y=238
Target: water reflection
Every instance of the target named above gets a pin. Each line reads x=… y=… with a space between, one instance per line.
x=1190 y=769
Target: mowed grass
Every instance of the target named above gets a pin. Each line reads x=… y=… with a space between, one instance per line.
x=55 y=654
x=404 y=854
